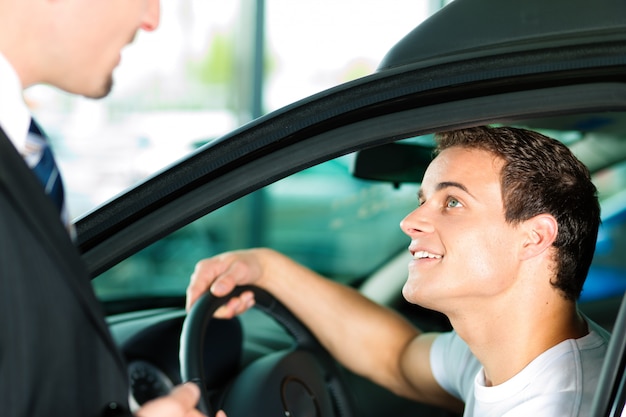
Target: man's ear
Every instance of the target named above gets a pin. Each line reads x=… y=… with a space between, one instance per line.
x=539 y=234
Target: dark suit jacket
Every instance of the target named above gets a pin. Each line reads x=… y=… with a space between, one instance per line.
x=57 y=357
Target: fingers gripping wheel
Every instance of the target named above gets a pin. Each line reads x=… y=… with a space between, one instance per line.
x=302 y=381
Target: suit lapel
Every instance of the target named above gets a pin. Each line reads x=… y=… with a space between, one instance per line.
x=42 y=218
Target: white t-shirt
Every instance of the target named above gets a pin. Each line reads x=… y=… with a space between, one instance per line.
x=559 y=382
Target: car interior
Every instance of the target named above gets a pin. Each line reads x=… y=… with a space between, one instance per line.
x=150 y=337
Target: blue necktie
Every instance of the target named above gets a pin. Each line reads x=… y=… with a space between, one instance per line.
x=39 y=158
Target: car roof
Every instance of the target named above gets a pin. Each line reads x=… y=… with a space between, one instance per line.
x=468 y=29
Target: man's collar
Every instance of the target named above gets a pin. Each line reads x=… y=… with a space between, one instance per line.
x=14 y=113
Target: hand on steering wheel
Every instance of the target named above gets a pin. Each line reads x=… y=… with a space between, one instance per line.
x=303 y=380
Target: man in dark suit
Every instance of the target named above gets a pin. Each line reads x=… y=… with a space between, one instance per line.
x=57 y=357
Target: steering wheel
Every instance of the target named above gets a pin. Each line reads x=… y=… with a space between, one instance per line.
x=303 y=381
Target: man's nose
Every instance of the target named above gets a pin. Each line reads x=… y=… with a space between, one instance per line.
x=416 y=221
x=152 y=16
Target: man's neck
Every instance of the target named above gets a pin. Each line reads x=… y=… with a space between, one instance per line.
x=507 y=338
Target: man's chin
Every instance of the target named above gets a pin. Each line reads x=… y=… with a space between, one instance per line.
x=418 y=292
x=106 y=89
x=409 y=292
x=101 y=92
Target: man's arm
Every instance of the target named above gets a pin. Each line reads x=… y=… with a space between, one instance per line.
x=368 y=339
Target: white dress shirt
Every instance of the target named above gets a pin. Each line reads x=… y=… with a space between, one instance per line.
x=15 y=117
x=14 y=114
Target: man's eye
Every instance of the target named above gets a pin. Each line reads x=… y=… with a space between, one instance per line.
x=453 y=202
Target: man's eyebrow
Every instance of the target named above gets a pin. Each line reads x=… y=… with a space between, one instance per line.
x=448 y=184
x=444 y=185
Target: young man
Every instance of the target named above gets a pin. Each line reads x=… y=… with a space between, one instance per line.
x=502 y=240
x=57 y=357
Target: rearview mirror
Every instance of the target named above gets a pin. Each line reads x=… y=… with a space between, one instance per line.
x=393 y=162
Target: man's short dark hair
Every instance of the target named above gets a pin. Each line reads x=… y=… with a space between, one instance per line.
x=541 y=175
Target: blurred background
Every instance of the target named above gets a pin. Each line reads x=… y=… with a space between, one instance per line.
x=212 y=66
